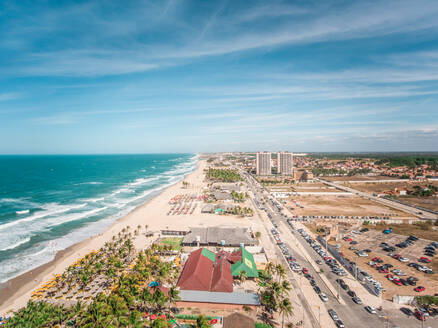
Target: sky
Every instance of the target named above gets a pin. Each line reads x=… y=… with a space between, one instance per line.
x=210 y=76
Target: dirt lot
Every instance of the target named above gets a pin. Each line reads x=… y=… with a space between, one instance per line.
x=426 y=202
x=380 y=187
x=371 y=240
x=359 y=178
x=340 y=205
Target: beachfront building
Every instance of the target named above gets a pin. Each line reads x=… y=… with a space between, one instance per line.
x=214 y=272
x=285 y=163
x=218 y=236
x=263 y=163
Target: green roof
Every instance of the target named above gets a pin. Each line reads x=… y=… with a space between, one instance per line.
x=208 y=254
x=247 y=264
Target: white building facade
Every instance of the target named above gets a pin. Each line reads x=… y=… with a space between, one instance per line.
x=285 y=163
x=263 y=163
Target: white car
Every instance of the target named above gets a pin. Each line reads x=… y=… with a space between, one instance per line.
x=370 y=309
x=403 y=259
x=323 y=297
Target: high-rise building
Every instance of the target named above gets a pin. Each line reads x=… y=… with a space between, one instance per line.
x=285 y=163
x=263 y=163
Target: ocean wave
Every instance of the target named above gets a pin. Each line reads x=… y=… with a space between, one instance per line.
x=89 y=183
x=77 y=216
x=20 y=242
x=11 y=200
x=94 y=200
x=51 y=209
x=143 y=187
x=121 y=190
x=142 y=181
x=22 y=212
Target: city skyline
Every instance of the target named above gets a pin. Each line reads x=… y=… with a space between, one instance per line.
x=192 y=76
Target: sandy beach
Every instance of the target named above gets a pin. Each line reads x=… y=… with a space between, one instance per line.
x=16 y=292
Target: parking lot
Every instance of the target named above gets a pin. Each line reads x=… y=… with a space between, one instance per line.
x=392 y=260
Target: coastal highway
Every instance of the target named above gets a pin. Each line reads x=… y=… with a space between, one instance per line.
x=402 y=207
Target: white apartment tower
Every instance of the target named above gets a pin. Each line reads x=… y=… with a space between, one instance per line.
x=285 y=163
x=263 y=163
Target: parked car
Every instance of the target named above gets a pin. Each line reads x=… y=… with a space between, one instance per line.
x=370 y=309
x=407 y=311
x=323 y=297
x=351 y=293
x=333 y=314
x=357 y=300
x=424 y=259
x=420 y=315
x=419 y=289
x=339 y=324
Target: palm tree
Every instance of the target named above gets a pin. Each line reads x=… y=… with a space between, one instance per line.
x=269 y=268
x=242 y=276
x=285 y=285
x=173 y=295
x=280 y=271
x=202 y=322
x=285 y=309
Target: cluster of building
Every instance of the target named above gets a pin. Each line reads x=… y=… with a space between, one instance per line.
x=284 y=163
x=213 y=258
x=418 y=173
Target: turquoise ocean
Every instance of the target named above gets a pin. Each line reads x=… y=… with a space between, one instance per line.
x=48 y=203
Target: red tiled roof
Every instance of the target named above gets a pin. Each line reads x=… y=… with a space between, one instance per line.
x=197 y=272
x=222 y=280
x=201 y=273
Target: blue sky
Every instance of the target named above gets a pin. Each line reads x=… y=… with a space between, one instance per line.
x=199 y=76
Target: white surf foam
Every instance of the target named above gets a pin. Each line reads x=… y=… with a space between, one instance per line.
x=22 y=212
x=76 y=216
x=94 y=200
x=20 y=242
x=89 y=183
x=52 y=209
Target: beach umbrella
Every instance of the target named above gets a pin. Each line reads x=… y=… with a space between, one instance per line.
x=153 y=317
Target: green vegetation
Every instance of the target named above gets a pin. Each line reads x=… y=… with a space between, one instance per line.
x=192 y=316
x=243 y=211
x=174 y=242
x=121 y=307
x=274 y=295
x=274 y=181
x=430 y=190
x=223 y=175
x=320 y=171
x=39 y=314
x=238 y=196
x=426 y=300
x=410 y=161
x=262 y=325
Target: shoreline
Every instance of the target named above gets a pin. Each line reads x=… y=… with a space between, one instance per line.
x=15 y=292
